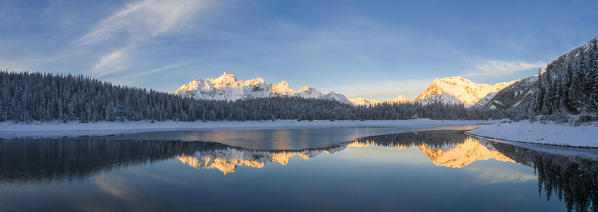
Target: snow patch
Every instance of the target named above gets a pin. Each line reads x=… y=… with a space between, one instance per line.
x=550 y=133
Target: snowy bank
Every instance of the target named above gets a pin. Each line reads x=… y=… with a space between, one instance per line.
x=585 y=135
x=59 y=129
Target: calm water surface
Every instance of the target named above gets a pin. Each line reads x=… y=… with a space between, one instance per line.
x=354 y=169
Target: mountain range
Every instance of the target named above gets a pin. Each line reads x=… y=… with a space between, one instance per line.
x=227 y=87
x=568 y=84
x=454 y=90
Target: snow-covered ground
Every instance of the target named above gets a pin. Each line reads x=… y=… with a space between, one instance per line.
x=585 y=135
x=59 y=129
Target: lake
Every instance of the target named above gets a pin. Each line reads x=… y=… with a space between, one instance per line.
x=352 y=169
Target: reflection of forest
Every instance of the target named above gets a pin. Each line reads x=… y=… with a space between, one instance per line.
x=48 y=160
x=571 y=178
x=27 y=161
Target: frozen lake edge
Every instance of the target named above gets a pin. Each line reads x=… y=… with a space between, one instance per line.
x=74 y=129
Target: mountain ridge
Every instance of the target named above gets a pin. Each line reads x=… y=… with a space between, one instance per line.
x=453 y=90
x=227 y=87
x=458 y=90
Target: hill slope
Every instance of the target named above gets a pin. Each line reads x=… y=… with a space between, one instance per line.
x=567 y=85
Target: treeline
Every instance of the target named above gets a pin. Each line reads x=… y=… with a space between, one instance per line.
x=45 y=97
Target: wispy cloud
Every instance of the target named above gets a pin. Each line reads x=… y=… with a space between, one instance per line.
x=114 y=61
x=502 y=68
x=144 y=18
x=134 y=24
x=153 y=71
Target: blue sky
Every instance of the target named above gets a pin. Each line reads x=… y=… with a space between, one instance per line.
x=375 y=49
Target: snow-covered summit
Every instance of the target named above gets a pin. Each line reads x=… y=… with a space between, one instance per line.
x=362 y=101
x=227 y=87
x=400 y=99
x=457 y=90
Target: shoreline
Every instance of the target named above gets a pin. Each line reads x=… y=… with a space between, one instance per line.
x=553 y=134
x=55 y=129
x=524 y=143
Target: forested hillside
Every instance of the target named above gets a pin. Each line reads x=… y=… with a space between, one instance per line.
x=46 y=97
x=566 y=86
x=570 y=83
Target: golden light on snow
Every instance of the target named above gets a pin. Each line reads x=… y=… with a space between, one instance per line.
x=454 y=156
x=462 y=154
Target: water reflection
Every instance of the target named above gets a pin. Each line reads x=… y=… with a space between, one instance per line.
x=31 y=161
x=280 y=139
x=565 y=173
x=571 y=174
x=228 y=159
x=561 y=172
x=452 y=148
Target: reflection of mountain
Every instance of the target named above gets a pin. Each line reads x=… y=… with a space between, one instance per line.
x=463 y=154
x=27 y=161
x=444 y=148
x=571 y=174
x=31 y=161
x=571 y=177
x=228 y=159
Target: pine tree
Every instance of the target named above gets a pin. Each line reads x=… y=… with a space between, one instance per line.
x=573 y=93
x=539 y=100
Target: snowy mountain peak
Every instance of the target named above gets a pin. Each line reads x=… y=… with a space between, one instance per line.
x=458 y=90
x=282 y=88
x=337 y=97
x=452 y=80
x=225 y=79
x=305 y=89
x=227 y=87
x=400 y=99
x=361 y=101
x=309 y=92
